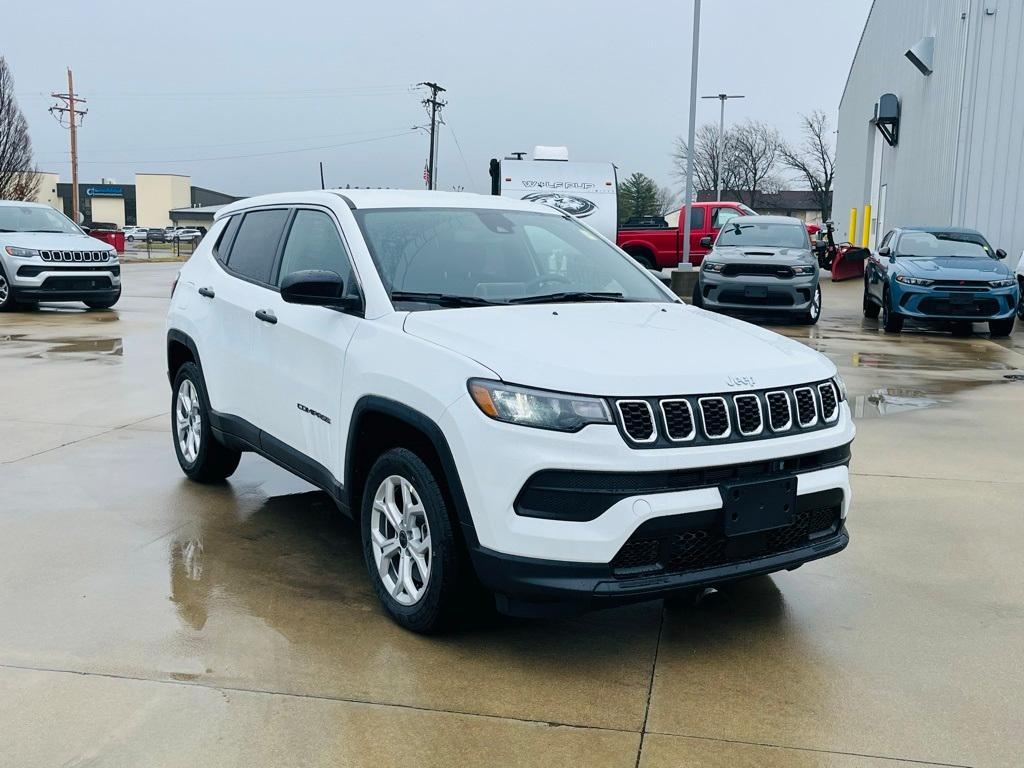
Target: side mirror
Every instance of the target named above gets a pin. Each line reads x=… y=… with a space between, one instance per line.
x=820 y=247
x=705 y=242
x=885 y=250
x=317 y=287
x=1000 y=253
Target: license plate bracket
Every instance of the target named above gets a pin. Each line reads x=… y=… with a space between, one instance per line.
x=760 y=505
x=755 y=292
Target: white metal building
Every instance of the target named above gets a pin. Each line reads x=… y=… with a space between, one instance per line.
x=956 y=68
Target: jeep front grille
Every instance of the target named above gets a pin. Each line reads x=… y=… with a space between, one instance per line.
x=75 y=256
x=713 y=418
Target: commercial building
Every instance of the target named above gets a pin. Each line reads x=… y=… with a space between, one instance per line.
x=930 y=128
x=149 y=202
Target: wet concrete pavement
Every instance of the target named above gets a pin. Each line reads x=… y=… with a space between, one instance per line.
x=145 y=620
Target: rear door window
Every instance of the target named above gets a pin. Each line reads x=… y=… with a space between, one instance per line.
x=222 y=247
x=255 y=247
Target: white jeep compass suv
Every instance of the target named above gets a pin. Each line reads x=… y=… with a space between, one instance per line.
x=44 y=256
x=500 y=396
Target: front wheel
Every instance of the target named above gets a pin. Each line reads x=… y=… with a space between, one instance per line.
x=201 y=457
x=892 y=321
x=1020 y=302
x=1000 y=327
x=698 y=295
x=813 y=312
x=6 y=293
x=871 y=309
x=104 y=303
x=410 y=549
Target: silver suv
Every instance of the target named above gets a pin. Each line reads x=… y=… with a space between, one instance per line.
x=761 y=264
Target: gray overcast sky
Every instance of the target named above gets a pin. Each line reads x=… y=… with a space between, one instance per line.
x=182 y=86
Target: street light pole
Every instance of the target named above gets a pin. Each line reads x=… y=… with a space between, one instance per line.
x=688 y=200
x=723 y=97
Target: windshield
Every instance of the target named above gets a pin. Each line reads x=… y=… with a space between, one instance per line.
x=29 y=218
x=963 y=244
x=473 y=256
x=743 y=233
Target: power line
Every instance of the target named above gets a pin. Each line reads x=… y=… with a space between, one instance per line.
x=458 y=146
x=314 y=93
x=434 y=106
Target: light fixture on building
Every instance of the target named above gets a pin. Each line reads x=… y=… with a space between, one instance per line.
x=921 y=55
x=887 y=118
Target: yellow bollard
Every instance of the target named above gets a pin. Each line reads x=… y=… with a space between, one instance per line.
x=851 y=236
x=867 y=226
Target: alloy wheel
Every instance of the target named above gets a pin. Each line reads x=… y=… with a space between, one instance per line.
x=5 y=289
x=816 y=303
x=188 y=421
x=400 y=537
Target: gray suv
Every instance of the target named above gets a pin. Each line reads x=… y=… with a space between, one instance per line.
x=761 y=264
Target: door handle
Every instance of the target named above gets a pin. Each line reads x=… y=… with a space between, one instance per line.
x=266 y=316
x=207 y=292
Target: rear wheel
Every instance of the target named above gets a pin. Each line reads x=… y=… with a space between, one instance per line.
x=410 y=549
x=892 y=321
x=201 y=456
x=1001 y=327
x=643 y=259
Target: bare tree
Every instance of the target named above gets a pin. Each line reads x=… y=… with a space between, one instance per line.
x=756 y=152
x=814 y=159
x=18 y=179
x=667 y=200
x=708 y=161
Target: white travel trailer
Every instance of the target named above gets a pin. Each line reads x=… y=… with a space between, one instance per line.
x=585 y=190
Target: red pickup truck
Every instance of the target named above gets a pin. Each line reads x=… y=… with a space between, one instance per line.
x=659 y=247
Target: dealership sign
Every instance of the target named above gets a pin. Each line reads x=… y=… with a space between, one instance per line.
x=105 y=191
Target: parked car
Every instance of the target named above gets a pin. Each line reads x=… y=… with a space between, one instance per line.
x=764 y=264
x=940 y=274
x=186 y=235
x=1020 y=286
x=44 y=256
x=131 y=234
x=156 y=235
x=659 y=247
x=434 y=344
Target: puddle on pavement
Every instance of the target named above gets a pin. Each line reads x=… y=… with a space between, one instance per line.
x=889 y=401
x=112 y=347
x=971 y=359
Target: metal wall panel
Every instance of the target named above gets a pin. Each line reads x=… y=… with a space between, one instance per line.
x=960 y=156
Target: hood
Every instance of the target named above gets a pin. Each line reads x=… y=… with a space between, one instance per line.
x=755 y=254
x=53 y=241
x=953 y=267
x=620 y=349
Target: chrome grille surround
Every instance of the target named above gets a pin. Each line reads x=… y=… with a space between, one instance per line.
x=805 y=400
x=75 y=256
x=677 y=403
x=774 y=395
x=744 y=404
x=631 y=429
x=829 y=401
x=706 y=403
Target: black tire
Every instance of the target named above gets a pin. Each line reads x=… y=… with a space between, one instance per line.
x=812 y=315
x=130 y=239
x=432 y=611
x=213 y=462
x=105 y=303
x=871 y=309
x=698 y=295
x=643 y=259
x=1020 y=302
x=892 y=322
x=7 y=302
x=963 y=328
x=1001 y=327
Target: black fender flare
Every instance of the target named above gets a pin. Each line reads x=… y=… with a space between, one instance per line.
x=174 y=335
x=428 y=427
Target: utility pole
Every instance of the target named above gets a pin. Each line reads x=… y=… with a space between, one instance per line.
x=321 y=175
x=435 y=106
x=724 y=97
x=688 y=201
x=68 y=105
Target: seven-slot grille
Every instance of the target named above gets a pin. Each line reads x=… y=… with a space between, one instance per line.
x=715 y=415
x=678 y=415
x=637 y=420
x=664 y=422
x=748 y=415
x=806 y=408
x=75 y=256
x=780 y=413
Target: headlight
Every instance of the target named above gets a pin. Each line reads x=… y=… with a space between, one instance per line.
x=1002 y=283
x=913 y=280
x=803 y=270
x=840 y=386
x=538 y=408
x=25 y=253
x=713 y=266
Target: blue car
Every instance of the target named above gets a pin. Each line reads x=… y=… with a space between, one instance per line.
x=940 y=274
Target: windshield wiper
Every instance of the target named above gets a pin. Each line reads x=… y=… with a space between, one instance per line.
x=10 y=230
x=52 y=231
x=580 y=296
x=442 y=299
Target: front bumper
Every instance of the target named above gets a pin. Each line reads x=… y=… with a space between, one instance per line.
x=927 y=303
x=35 y=280
x=756 y=293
